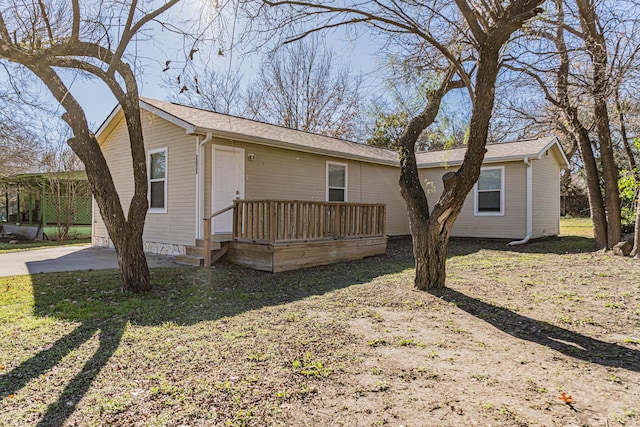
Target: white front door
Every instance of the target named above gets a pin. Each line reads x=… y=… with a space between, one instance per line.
x=227 y=185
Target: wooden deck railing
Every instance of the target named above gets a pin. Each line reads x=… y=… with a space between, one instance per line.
x=279 y=221
x=207 y=234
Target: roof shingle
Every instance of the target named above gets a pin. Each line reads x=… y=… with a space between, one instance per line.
x=197 y=120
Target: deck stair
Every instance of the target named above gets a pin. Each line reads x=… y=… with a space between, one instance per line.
x=195 y=255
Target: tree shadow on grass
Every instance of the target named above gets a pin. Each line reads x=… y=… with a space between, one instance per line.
x=556 y=338
x=551 y=245
x=180 y=296
x=109 y=333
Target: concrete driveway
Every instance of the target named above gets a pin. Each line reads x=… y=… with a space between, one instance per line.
x=67 y=258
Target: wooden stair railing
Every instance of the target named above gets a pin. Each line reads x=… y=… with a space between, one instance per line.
x=207 y=234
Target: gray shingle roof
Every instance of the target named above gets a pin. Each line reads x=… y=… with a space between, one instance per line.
x=198 y=121
x=507 y=151
x=252 y=131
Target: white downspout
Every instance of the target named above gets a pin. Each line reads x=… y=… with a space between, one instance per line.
x=529 y=205
x=200 y=182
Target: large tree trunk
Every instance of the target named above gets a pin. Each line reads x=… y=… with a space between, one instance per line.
x=579 y=133
x=596 y=202
x=430 y=269
x=125 y=233
x=432 y=247
x=132 y=261
x=596 y=46
x=431 y=230
x=609 y=173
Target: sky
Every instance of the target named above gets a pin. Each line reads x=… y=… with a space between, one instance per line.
x=148 y=58
x=151 y=55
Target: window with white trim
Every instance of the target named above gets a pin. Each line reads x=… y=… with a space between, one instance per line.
x=489 y=192
x=336 y=182
x=157 y=169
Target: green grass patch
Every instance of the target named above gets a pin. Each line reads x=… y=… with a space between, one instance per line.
x=27 y=246
x=580 y=227
x=232 y=346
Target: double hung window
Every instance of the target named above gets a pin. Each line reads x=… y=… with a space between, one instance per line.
x=336 y=182
x=157 y=170
x=489 y=192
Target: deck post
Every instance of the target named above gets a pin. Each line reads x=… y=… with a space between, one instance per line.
x=336 y=222
x=273 y=221
x=234 y=224
x=207 y=242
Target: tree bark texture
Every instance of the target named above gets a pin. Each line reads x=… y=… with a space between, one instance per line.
x=125 y=233
x=623 y=134
x=594 y=191
x=579 y=133
x=429 y=274
x=596 y=46
x=431 y=231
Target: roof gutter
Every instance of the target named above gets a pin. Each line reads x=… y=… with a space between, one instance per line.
x=529 y=164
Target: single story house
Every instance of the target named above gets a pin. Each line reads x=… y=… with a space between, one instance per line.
x=43 y=205
x=201 y=163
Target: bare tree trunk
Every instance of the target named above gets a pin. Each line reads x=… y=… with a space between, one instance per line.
x=132 y=261
x=596 y=202
x=431 y=231
x=125 y=232
x=596 y=46
x=59 y=37
x=580 y=134
x=609 y=175
x=623 y=133
x=432 y=247
x=430 y=269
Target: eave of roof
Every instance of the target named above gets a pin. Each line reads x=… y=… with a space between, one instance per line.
x=245 y=130
x=496 y=153
x=201 y=122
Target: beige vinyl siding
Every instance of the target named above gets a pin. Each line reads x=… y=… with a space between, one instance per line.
x=281 y=173
x=546 y=197
x=118 y=155
x=276 y=173
x=177 y=225
x=510 y=226
x=380 y=185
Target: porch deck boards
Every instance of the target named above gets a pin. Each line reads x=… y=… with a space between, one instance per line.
x=282 y=235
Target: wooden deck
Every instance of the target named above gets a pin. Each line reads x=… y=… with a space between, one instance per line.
x=281 y=235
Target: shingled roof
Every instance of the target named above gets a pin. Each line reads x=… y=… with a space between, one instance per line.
x=222 y=125
x=197 y=121
x=504 y=152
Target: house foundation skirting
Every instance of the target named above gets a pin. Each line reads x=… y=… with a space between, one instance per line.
x=157 y=248
x=292 y=256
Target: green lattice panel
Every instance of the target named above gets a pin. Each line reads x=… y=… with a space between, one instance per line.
x=55 y=208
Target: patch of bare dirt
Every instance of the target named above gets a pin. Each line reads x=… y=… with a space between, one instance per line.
x=513 y=332
x=350 y=344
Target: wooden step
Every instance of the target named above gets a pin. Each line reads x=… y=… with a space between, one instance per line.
x=192 y=260
x=215 y=256
x=194 y=255
x=200 y=245
x=194 y=251
x=215 y=238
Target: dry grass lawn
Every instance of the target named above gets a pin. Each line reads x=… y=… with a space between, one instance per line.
x=350 y=344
